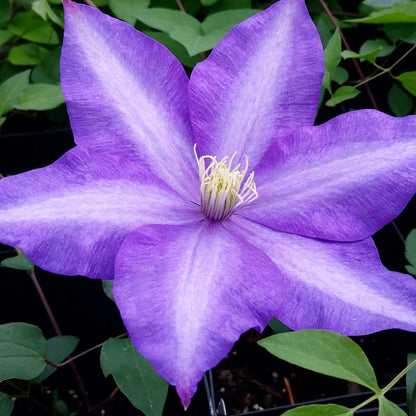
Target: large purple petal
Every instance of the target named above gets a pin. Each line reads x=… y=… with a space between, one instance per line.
x=342 y=180
x=126 y=94
x=262 y=80
x=72 y=216
x=339 y=286
x=186 y=293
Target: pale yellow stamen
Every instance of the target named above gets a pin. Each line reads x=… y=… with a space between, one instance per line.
x=223 y=189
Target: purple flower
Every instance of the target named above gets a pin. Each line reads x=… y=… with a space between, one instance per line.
x=214 y=203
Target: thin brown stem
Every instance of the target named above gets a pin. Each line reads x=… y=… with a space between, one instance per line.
x=289 y=390
x=402 y=57
x=50 y=362
x=386 y=70
x=90 y=3
x=55 y=325
x=78 y=378
x=43 y=300
x=347 y=46
x=99 y=406
x=69 y=360
x=10 y=16
x=113 y=393
x=179 y=3
x=180 y=6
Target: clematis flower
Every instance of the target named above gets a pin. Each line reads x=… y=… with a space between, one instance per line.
x=213 y=202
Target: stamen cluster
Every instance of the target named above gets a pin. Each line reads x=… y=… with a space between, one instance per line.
x=223 y=189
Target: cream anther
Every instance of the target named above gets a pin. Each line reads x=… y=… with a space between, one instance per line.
x=223 y=189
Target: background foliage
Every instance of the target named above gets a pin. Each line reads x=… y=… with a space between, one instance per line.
x=382 y=35
x=369 y=58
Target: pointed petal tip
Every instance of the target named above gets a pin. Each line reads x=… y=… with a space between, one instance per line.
x=68 y=3
x=186 y=396
x=278 y=43
x=70 y=7
x=192 y=312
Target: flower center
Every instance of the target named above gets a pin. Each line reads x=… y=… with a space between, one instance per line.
x=223 y=189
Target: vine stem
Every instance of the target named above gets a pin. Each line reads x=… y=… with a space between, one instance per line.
x=10 y=16
x=43 y=299
x=399 y=376
x=180 y=6
x=385 y=70
x=90 y=3
x=385 y=389
x=354 y=61
x=69 y=360
x=58 y=331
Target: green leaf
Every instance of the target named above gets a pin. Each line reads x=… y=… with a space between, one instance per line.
x=342 y=94
x=388 y=408
x=7 y=70
x=5 y=35
x=22 y=348
x=224 y=21
x=230 y=5
x=324 y=352
x=411 y=270
x=332 y=57
x=381 y=3
x=398 y=13
x=208 y=2
x=192 y=7
x=175 y=47
x=410 y=248
x=323 y=29
x=408 y=80
x=214 y=28
x=168 y=20
x=40 y=97
x=134 y=375
x=47 y=71
x=30 y=26
x=411 y=385
x=2 y=120
x=19 y=262
x=11 y=89
x=43 y=9
x=371 y=45
x=188 y=31
x=57 y=349
x=127 y=9
x=107 y=287
x=25 y=4
x=341 y=75
x=27 y=54
x=405 y=32
x=6 y=404
x=370 y=56
x=319 y=410
x=100 y=3
x=193 y=41
x=4 y=11
x=399 y=101
x=278 y=326
x=59 y=405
